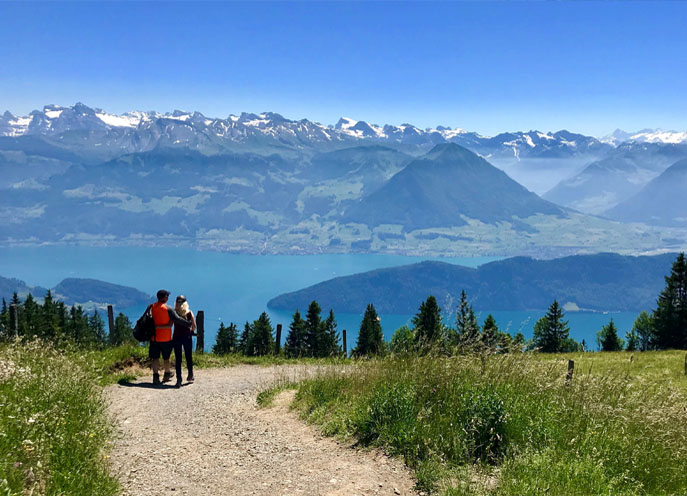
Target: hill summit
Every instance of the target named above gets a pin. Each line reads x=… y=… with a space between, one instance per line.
x=443 y=188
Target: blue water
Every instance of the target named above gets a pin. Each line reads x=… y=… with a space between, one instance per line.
x=236 y=288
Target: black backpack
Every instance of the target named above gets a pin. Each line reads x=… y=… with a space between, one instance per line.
x=144 y=329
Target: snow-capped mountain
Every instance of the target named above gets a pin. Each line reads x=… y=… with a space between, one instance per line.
x=140 y=131
x=646 y=136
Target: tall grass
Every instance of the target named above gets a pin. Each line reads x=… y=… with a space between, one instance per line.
x=54 y=429
x=508 y=424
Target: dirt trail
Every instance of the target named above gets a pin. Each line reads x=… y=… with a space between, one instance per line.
x=209 y=438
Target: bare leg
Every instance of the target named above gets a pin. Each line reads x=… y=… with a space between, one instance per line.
x=168 y=366
x=156 y=366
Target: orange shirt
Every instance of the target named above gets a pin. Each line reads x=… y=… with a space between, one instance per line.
x=163 y=324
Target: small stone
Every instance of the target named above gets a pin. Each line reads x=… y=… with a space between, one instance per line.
x=396 y=491
x=333 y=481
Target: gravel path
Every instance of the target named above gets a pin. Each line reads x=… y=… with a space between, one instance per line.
x=209 y=438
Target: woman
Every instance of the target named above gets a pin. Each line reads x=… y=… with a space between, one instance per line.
x=183 y=338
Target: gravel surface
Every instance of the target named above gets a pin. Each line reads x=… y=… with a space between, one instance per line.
x=209 y=438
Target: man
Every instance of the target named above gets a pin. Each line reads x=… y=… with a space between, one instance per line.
x=161 y=342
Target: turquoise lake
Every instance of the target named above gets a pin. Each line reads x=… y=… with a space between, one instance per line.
x=236 y=288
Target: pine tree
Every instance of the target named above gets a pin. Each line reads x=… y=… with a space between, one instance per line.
x=490 y=333
x=295 y=346
x=245 y=340
x=427 y=323
x=403 y=340
x=607 y=338
x=644 y=328
x=4 y=320
x=261 y=340
x=233 y=340
x=330 y=337
x=632 y=339
x=123 y=333
x=518 y=342
x=370 y=338
x=467 y=328
x=96 y=326
x=314 y=330
x=551 y=331
x=49 y=327
x=670 y=316
x=29 y=317
x=222 y=346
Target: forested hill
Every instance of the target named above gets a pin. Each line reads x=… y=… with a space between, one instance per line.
x=602 y=282
x=72 y=291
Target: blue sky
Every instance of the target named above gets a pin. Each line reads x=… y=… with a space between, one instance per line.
x=484 y=66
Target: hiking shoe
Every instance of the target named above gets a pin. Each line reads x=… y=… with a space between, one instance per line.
x=178 y=384
x=168 y=376
x=190 y=378
x=156 y=379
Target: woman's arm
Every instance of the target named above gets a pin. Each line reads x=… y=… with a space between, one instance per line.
x=193 y=321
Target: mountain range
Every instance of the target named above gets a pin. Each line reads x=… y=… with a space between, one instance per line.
x=602 y=282
x=261 y=183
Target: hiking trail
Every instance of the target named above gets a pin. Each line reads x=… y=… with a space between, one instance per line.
x=210 y=438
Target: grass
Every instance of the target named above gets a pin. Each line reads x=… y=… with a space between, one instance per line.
x=54 y=429
x=511 y=426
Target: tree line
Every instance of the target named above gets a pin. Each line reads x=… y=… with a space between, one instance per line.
x=61 y=324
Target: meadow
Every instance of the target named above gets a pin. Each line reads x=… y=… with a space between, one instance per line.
x=501 y=424
x=511 y=424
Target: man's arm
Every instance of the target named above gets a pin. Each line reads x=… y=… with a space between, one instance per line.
x=174 y=317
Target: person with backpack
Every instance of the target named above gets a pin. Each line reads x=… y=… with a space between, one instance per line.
x=183 y=338
x=161 y=342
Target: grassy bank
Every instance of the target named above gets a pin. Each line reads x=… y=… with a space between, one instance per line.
x=54 y=430
x=510 y=425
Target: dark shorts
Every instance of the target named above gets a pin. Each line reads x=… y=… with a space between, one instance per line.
x=160 y=348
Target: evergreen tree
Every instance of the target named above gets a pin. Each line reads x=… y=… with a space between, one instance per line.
x=670 y=316
x=370 y=337
x=49 y=327
x=518 y=342
x=4 y=320
x=632 y=339
x=427 y=323
x=314 y=330
x=330 y=337
x=245 y=340
x=233 y=340
x=96 y=326
x=222 y=345
x=551 y=331
x=123 y=333
x=644 y=328
x=29 y=318
x=261 y=341
x=403 y=340
x=467 y=328
x=607 y=338
x=490 y=333
x=295 y=346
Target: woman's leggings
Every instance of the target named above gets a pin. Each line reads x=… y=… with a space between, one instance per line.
x=187 y=345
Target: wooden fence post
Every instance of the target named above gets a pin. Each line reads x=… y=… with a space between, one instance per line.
x=345 y=346
x=276 y=348
x=14 y=320
x=110 y=320
x=569 y=375
x=200 y=329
